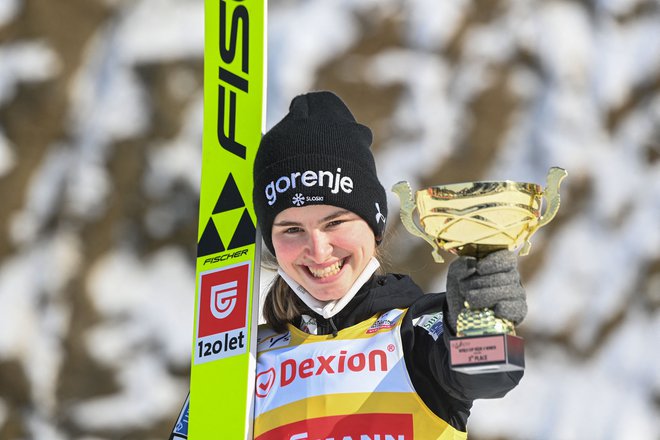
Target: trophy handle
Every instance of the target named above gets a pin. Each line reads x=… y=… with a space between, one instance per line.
x=403 y=190
x=551 y=194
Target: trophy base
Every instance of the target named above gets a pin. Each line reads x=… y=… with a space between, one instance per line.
x=487 y=353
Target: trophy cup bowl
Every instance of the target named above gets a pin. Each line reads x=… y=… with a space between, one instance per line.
x=474 y=219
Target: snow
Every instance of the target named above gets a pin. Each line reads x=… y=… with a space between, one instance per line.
x=160 y=30
x=30 y=61
x=147 y=392
x=8 y=10
x=7 y=156
x=148 y=307
x=431 y=24
x=177 y=160
x=583 y=380
x=605 y=397
x=35 y=316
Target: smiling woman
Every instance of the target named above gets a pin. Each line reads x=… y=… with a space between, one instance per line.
x=330 y=315
x=323 y=248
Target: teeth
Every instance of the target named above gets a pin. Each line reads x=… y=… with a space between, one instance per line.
x=327 y=271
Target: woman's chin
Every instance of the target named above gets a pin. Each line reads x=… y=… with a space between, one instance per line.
x=326 y=294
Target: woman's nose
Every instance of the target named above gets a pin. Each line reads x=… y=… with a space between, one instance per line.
x=319 y=246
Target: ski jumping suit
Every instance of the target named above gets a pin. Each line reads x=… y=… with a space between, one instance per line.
x=379 y=369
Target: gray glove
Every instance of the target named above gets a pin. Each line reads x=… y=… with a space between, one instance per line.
x=491 y=282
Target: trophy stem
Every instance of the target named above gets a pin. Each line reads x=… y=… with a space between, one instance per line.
x=478 y=251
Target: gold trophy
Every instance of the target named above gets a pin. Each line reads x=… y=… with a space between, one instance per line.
x=474 y=219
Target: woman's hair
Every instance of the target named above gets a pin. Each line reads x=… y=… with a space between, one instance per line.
x=281 y=305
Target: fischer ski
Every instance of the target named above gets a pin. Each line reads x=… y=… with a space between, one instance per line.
x=223 y=362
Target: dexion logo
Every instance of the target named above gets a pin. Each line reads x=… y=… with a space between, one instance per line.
x=222 y=312
x=344 y=362
x=332 y=180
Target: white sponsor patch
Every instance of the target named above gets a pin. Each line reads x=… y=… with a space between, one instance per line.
x=386 y=321
x=431 y=323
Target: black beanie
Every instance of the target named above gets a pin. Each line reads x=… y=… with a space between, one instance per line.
x=317 y=155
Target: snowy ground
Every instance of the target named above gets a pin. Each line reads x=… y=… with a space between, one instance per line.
x=587 y=98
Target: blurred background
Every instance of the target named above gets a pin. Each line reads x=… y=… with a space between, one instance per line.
x=100 y=146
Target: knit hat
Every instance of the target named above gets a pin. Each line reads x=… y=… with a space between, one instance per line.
x=317 y=155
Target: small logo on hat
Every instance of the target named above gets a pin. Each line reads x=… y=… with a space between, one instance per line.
x=379 y=215
x=298 y=200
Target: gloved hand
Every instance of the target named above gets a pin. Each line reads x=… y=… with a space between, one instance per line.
x=492 y=282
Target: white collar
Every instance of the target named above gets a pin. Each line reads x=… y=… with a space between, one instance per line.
x=328 y=309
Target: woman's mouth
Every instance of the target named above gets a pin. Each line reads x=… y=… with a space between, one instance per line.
x=327 y=271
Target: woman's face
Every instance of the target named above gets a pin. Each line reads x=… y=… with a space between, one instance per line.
x=322 y=247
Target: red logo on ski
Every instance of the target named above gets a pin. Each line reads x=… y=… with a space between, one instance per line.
x=223 y=297
x=223 y=307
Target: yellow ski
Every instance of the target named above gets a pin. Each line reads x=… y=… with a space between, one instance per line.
x=226 y=304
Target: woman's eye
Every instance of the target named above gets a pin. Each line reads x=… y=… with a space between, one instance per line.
x=292 y=230
x=335 y=223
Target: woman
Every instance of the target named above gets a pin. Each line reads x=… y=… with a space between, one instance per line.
x=348 y=352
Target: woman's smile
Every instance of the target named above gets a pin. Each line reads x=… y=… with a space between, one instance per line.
x=327 y=271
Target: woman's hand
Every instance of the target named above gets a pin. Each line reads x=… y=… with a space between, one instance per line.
x=491 y=282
